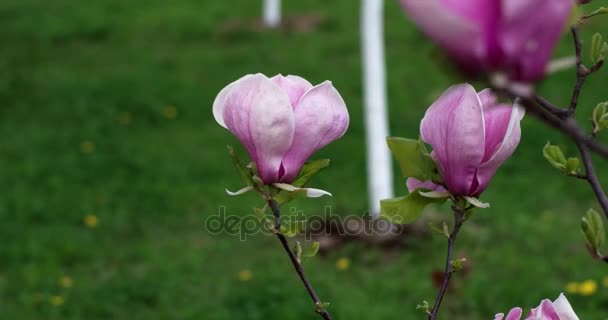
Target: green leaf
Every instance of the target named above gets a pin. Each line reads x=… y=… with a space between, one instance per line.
x=311 y=251
x=601 y=10
x=309 y=170
x=597 y=44
x=444 y=231
x=291 y=229
x=573 y=166
x=600 y=117
x=413 y=158
x=245 y=173
x=406 y=209
x=593 y=229
x=555 y=156
x=424 y=306
x=458 y=264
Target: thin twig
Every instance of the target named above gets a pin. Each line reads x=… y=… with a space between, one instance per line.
x=449 y=269
x=276 y=211
x=581 y=71
x=591 y=177
x=558 y=112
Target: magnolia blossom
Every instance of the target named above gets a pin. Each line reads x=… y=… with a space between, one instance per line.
x=559 y=309
x=513 y=36
x=472 y=134
x=281 y=121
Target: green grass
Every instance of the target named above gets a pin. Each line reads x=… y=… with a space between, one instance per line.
x=103 y=72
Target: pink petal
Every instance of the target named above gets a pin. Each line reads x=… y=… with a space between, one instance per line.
x=320 y=118
x=529 y=32
x=413 y=184
x=514 y=314
x=454 y=25
x=259 y=114
x=294 y=86
x=564 y=309
x=503 y=133
x=453 y=126
x=545 y=311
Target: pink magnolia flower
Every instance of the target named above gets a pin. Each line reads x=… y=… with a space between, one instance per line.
x=513 y=36
x=281 y=121
x=472 y=134
x=559 y=309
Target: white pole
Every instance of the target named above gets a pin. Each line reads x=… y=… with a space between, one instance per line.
x=379 y=165
x=272 y=13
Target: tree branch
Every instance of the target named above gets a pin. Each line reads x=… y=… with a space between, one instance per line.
x=591 y=177
x=449 y=269
x=581 y=71
x=276 y=211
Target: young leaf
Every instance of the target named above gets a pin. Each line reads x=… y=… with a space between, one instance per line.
x=406 y=209
x=600 y=117
x=593 y=229
x=244 y=173
x=311 y=251
x=573 y=166
x=555 y=156
x=597 y=43
x=413 y=158
x=309 y=170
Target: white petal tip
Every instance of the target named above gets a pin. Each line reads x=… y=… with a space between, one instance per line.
x=435 y=194
x=239 y=192
x=475 y=202
x=310 y=192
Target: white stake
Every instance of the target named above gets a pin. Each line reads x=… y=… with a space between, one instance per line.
x=379 y=165
x=272 y=13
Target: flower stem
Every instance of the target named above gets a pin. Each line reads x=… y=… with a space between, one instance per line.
x=459 y=218
x=276 y=211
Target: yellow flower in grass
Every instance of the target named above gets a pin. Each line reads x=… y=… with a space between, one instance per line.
x=572 y=287
x=343 y=264
x=91 y=221
x=170 y=112
x=66 y=282
x=245 y=275
x=587 y=287
x=56 y=300
x=87 y=147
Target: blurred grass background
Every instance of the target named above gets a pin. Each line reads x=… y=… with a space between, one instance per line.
x=111 y=161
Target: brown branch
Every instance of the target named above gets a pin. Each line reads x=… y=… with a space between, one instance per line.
x=276 y=211
x=459 y=219
x=591 y=177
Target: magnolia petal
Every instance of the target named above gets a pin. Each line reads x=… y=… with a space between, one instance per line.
x=453 y=125
x=528 y=41
x=475 y=202
x=455 y=25
x=413 y=184
x=514 y=314
x=220 y=101
x=560 y=64
x=435 y=194
x=564 y=309
x=495 y=118
x=320 y=118
x=310 y=192
x=294 y=86
x=239 y=192
x=259 y=114
x=545 y=311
